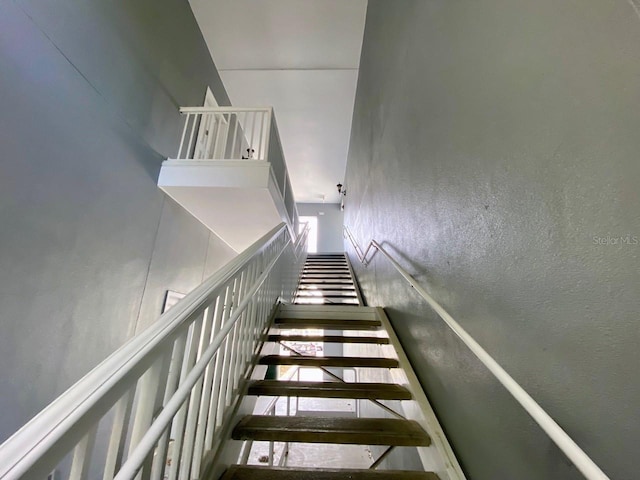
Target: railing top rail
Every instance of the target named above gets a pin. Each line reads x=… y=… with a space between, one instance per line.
x=164 y=418
x=40 y=434
x=570 y=448
x=224 y=109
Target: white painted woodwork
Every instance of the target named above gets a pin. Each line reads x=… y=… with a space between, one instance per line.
x=439 y=456
x=189 y=338
x=237 y=200
x=230 y=173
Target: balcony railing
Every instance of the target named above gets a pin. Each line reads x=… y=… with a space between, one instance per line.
x=229 y=133
x=225 y=133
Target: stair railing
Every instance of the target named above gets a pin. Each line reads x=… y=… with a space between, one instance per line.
x=569 y=447
x=163 y=396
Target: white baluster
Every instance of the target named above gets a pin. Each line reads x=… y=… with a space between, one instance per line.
x=147 y=395
x=205 y=402
x=224 y=357
x=253 y=125
x=175 y=367
x=194 y=404
x=82 y=455
x=219 y=126
x=217 y=372
x=184 y=132
x=193 y=129
x=259 y=152
x=118 y=436
x=178 y=424
x=234 y=139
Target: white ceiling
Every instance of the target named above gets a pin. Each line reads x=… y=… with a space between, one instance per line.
x=301 y=57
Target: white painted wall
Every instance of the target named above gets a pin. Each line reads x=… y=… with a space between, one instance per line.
x=88 y=244
x=330 y=221
x=313 y=109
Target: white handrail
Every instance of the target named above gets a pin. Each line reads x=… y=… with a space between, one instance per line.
x=157 y=370
x=161 y=423
x=579 y=458
x=224 y=109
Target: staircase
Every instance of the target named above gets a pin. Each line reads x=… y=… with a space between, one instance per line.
x=327 y=279
x=327 y=301
x=185 y=399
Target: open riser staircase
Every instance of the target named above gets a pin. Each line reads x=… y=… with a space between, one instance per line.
x=368 y=348
x=193 y=396
x=327 y=278
x=185 y=398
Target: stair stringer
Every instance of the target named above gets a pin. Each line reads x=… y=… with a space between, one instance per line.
x=439 y=456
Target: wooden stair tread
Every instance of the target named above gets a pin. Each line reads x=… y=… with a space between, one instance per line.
x=340 y=260
x=332 y=264
x=315 y=273
x=355 y=431
x=326 y=266
x=327 y=339
x=326 y=301
x=341 y=266
x=326 y=280
x=320 y=297
x=328 y=323
x=379 y=391
x=324 y=286
x=327 y=270
x=255 y=472
x=308 y=361
x=325 y=294
x=344 y=273
x=324 y=290
x=326 y=259
x=325 y=275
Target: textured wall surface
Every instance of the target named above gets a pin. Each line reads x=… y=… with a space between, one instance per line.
x=329 y=224
x=88 y=244
x=495 y=153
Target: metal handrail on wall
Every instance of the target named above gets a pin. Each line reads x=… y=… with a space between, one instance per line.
x=573 y=452
x=175 y=384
